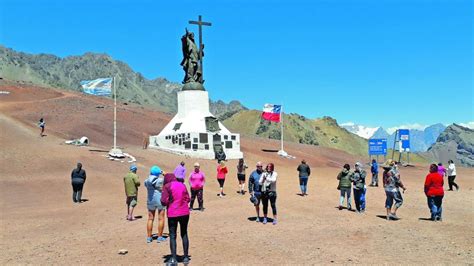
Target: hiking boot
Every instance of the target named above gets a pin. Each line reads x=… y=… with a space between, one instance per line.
x=340 y=207
x=201 y=209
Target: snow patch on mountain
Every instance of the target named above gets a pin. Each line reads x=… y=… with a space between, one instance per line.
x=361 y=131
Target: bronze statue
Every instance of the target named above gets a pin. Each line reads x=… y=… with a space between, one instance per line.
x=191 y=59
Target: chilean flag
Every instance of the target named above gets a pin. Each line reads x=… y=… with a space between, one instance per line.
x=272 y=112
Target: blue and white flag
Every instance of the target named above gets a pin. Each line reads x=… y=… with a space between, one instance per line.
x=99 y=87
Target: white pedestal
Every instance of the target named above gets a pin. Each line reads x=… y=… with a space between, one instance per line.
x=187 y=133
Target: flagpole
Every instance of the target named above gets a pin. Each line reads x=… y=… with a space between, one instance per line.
x=115 y=115
x=281 y=120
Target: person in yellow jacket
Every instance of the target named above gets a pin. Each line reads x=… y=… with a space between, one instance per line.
x=131 y=182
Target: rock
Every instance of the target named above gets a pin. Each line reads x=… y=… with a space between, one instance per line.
x=123 y=252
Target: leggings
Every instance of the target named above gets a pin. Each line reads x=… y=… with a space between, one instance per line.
x=77 y=191
x=198 y=193
x=221 y=182
x=272 y=198
x=173 y=227
x=452 y=183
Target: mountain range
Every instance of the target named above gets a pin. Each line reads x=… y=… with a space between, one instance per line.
x=159 y=93
x=455 y=143
x=66 y=73
x=420 y=140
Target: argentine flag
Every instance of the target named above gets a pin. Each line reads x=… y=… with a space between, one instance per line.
x=99 y=87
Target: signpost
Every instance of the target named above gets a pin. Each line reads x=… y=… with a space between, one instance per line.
x=377 y=147
x=402 y=138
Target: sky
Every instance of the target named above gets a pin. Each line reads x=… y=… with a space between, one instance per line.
x=372 y=62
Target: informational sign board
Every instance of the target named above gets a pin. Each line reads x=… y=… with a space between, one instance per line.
x=377 y=146
x=404 y=136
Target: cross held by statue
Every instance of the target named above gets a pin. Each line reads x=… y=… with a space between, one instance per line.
x=200 y=23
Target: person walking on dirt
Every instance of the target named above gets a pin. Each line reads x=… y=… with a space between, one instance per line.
x=175 y=197
x=441 y=170
x=241 y=166
x=268 y=182
x=154 y=186
x=345 y=186
x=358 y=179
x=180 y=170
x=374 y=169
x=452 y=175
x=131 y=182
x=434 y=192
x=255 y=188
x=392 y=184
x=304 y=171
x=41 y=125
x=221 y=173
x=78 y=178
x=197 y=179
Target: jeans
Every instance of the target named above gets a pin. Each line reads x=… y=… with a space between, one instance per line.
x=359 y=198
x=304 y=184
x=391 y=197
x=269 y=196
x=77 y=191
x=452 y=183
x=173 y=227
x=197 y=193
x=434 y=203
x=344 y=192
x=375 y=179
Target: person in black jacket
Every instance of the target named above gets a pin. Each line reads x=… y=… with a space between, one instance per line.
x=78 y=178
x=304 y=172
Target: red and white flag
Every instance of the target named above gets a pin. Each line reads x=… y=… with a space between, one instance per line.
x=272 y=112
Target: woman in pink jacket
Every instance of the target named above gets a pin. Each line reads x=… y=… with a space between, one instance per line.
x=175 y=197
x=196 y=182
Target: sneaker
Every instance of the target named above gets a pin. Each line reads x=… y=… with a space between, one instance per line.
x=190 y=209
x=223 y=194
x=274 y=221
x=438 y=219
x=172 y=261
x=258 y=219
x=149 y=239
x=161 y=239
x=349 y=208
x=394 y=217
x=265 y=221
x=186 y=259
x=340 y=207
x=201 y=209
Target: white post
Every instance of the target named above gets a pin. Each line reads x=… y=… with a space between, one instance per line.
x=281 y=122
x=115 y=115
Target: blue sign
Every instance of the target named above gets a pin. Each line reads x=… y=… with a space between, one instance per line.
x=377 y=146
x=404 y=137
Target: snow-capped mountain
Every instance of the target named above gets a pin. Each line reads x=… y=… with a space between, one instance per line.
x=361 y=131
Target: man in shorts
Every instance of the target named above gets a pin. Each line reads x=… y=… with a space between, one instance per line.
x=255 y=189
x=131 y=182
x=392 y=185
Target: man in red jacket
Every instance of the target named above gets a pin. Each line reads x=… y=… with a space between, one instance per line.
x=434 y=192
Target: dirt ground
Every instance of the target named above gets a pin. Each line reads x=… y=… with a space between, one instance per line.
x=41 y=225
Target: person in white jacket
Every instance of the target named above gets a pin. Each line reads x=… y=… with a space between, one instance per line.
x=452 y=175
x=268 y=185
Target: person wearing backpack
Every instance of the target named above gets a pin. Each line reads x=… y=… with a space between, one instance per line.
x=358 y=179
x=345 y=186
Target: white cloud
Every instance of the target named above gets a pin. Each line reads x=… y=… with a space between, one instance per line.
x=350 y=124
x=468 y=124
x=408 y=126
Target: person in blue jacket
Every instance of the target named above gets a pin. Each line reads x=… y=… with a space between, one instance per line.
x=375 y=173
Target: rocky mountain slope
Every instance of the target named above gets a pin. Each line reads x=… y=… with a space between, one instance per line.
x=420 y=140
x=66 y=73
x=320 y=132
x=455 y=143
